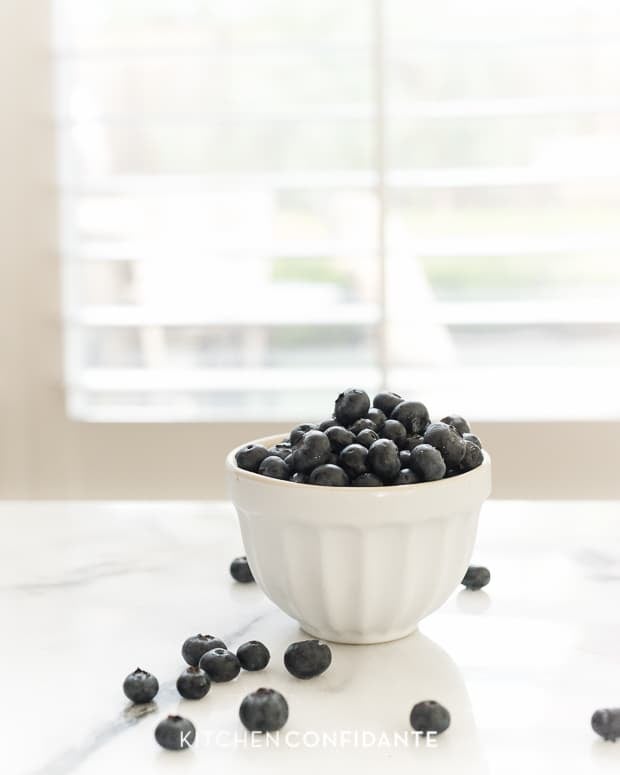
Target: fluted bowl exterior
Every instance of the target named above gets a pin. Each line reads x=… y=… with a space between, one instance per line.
x=358 y=564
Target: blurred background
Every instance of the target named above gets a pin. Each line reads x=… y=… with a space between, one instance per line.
x=220 y=213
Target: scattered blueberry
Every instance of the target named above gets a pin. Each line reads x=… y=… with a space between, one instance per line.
x=251 y=456
x=353 y=460
x=448 y=441
x=413 y=415
x=395 y=431
x=367 y=480
x=274 y=467
x=362 y=424
x=476 y=577
x=220 y=665
x=197 y=645
x=473 y=457
x=253 y=655
x=383 y=460
x=606 y=723
x=386 y=402
x=350 y=405
x=312 y=450
x=193 y=683
x=264 y=710
x=240 y=571
x=458 y=422
x=299 y=432
x=307 y=658
x=366 y=437
x=429 y=716
x=473 y=438
x=140 y=686
x=407 y=476
x=428 y=462
x=329 y=475
x=175 y=733
x=339 y=437
x=377 y=417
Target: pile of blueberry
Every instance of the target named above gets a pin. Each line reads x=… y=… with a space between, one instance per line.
x=391 y=442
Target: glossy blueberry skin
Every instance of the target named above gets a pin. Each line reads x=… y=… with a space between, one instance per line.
x=366 y=438
x=283 y=450
x=395 y=431
x=427 y=462
x=353 y=460
x=313 y=450
x=307 y=658
x=300 y=478
x=407 y=476
x=383 y=460
x=220 y=665
x=413 y=415
x=458 y=422
x=367 y=480
x=253 y=655
x=448 y=441
x=377 y=417
x=299 y=432
x=429 y=716
x=140 y=686
x=241 y=572
x=197 y=645
x=264 y=710
x=473 y=438
x=473 y=457
x=411 y=442
x=193 y=683
x=350 y=405
x=405 y=458
x=175 y=733
x=386 y=402
x=339 y=437
x=274 y=467
x=323 y=426
x=476 y=577
x=329 y=475
x=250 y=457
x=606 y=723
x=362 y=424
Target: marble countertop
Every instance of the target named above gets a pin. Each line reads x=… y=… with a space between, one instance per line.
x=90 y=591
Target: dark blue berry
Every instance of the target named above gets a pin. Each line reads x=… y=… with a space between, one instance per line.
x=299 y=431
x=413 y=415
x=377 y=417
x=253 y=655
x=313 y=450
x=458 y=422
x=405 y=458
x=428 y=462
x=395 y=431
x=240 y=571
x=350 y=405
x=307 y=658
x=140 y=686
x=251 y=456
x=386 y=402
x=329 y=475
x=264 y=710
x=220 y=665
x=193 y=683
x=362 y=424
x=367 y=480
x=353 y=460
x=606 y=723
x=283 y=449
x=411 y=442
x=300 y=478
x=407 y=476
x=197 y=645
x=339 y=437
x=448 y=441
x=476 y=577
x=473 y=438
x=473 y=457
x=327 y=424
x=366 y=437
x=274 y=467
x=175 y=733
x=383 y=460
x=429 y=716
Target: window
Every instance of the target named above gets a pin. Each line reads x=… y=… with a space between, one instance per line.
x=264 y=201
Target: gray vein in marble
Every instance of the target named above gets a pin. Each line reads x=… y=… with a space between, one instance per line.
x=80 y=577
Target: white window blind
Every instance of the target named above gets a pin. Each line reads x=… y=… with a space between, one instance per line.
x=266 y=201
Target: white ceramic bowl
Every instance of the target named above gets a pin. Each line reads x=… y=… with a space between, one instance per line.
x=358 y=564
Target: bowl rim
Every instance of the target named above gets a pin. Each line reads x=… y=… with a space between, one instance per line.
x=401 y=489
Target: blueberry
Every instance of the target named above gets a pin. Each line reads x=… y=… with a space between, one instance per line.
x=253 y=655
x=313 y=450
x=407 y=476
x=367 y=480
x=240 y=571
x=366 y=437
x=411 y=442
x=300 y=478
x=197 y=645
x=140 y=686
x=383 y=460
x=327 y=424
x=264 y=710
x=473 y=457
x=413 y=415
x=448 y=441
x=283 y=449
x=606 y=723
x=361 y=425
x=299 y=431
x=395 y=431
x=429 y=716
x=377 y=417
x=386 y=402
x=339 y=437
x=175 y=733
x=350 y=405
x=353 y=460
x=307 y=658
x=473 y=438
x=274 y=467
x=476 y=577
x=250 y=457
x=458 y=422
x=220 y=665
x=405 y=458
x=193 y=683
x=329 y=475
x=428 y=462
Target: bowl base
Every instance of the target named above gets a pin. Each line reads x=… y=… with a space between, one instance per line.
x=357 y=638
